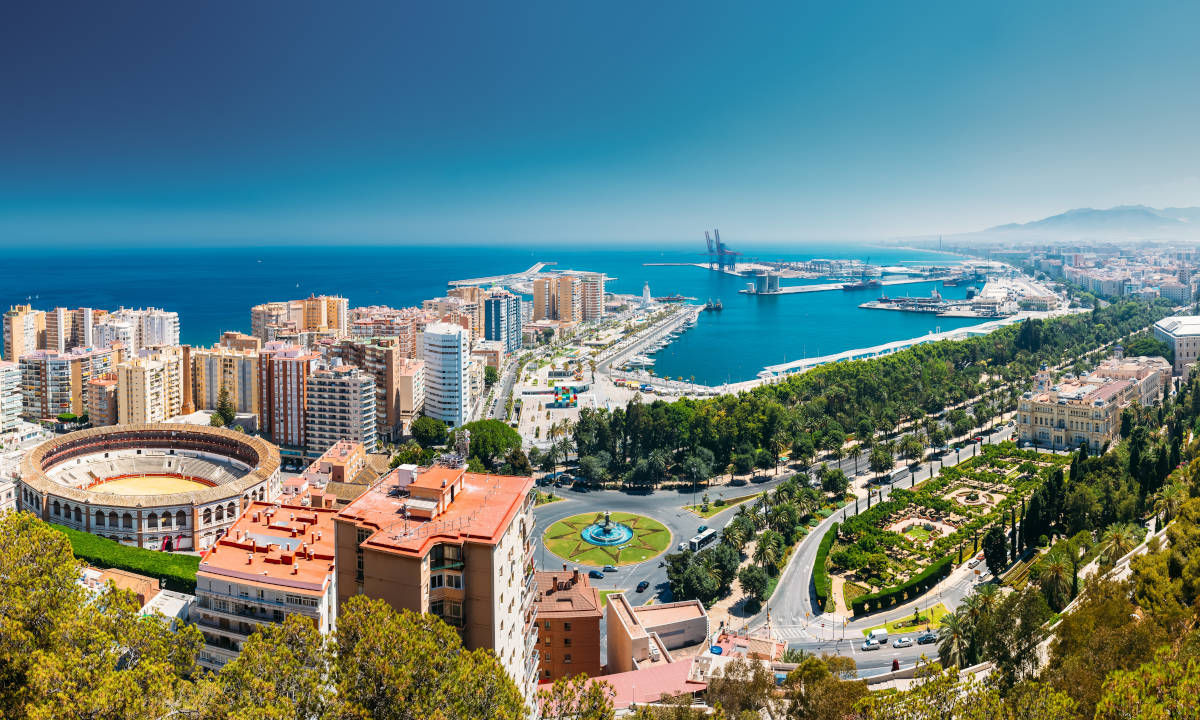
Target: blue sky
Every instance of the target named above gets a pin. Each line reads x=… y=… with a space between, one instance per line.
x=546 y=122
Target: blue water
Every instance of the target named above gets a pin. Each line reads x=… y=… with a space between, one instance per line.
x=213 y=290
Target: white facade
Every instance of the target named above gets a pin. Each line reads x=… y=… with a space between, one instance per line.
x=113 y=330
x=150 y=388
x=152 y=326
x=445 y=350
x=10 y=397
x=513 y=593
x=1182 y=335
x=593 y=296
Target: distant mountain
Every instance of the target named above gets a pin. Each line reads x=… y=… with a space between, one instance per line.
x=1126 y=220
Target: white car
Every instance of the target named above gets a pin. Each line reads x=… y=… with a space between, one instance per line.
x=869 y=644
x=902 y=642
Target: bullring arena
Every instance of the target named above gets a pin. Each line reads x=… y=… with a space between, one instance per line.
x=161 y=486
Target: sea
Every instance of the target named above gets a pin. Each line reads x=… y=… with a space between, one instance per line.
x=213 y=289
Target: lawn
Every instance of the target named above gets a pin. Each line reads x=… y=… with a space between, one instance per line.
x=713 y=508
x=545 y=498
x=904 y=625
x=604 y=596
x=918 y=533
x=650 y=538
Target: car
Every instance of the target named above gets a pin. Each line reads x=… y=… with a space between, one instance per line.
x=610 y=568
x=927 y=638
x=903 y=641
x=641 y=587
x=978 y=438
x=682 y=546
x=869 y=645
x=596 y=574
x=701 y=529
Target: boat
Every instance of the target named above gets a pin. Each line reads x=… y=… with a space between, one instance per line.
x=711 y=305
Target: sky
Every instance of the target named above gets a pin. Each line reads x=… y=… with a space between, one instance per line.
x=584 y=123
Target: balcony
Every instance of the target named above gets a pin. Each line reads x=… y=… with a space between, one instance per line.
x=531 y=639
x=237 y=633
x=531 y=670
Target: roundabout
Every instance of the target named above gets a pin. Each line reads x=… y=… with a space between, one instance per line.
x=607 y=538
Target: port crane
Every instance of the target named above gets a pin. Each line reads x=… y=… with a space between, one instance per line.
x=719 y=254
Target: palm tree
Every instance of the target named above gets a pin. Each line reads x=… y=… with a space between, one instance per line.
x=1055 y=579
x=769 y=550
x=986 y=597
x=1120 y=538
x=954 y=639
x=1169 y=499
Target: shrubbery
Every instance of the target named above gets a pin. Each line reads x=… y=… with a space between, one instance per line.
x=908 y=590
x=177 y=572
x=821 y=582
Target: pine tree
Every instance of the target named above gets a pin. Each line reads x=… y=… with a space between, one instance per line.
x=225 y=407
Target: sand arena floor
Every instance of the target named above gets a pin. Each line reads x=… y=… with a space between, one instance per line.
x=148 y=485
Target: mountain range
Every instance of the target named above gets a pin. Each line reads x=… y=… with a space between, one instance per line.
x=1123 y=222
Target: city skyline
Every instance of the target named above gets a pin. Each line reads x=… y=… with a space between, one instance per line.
x=386 y=124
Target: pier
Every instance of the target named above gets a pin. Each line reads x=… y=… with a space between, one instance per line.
x=502 y=279
x=823 y=287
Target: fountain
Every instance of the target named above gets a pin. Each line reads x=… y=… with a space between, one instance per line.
x=607 y=532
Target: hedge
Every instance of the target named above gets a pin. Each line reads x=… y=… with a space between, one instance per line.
x=821 y=582
x=916 y=585
x=177 y=571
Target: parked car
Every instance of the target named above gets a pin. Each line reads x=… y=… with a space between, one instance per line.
x=610 y=568
x=927 y=638
x=701 y=529
x=869 y=644
x=903 y=641
x=596 y=574
x=641 y=587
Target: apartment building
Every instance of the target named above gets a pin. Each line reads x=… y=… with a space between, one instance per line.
x=101 y=403
x=112 y=332
x=10 y=396
x=568 y=619
x=379 y=321
x=322 y=314
x=222 y=366
x=240 y=341
x=457 y=311
x=502 y=319
x=340 y=406
x=452 y=543
x=445 y=352
x=543 y=298
x=275 y=561
x=24 y=331
x=153 y=327
x=55 y=383
x=68 y=329
x=592 y=296
x=150 y=386
x=568 y=298
x=473 y=296
x=399 y=381
x=1182 y=334
x=283 y=372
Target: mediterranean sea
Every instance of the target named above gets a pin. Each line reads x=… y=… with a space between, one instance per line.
x=213 y=289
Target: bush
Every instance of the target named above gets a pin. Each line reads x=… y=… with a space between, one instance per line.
x=821 y=582
x=177 y=572
x=916 y=585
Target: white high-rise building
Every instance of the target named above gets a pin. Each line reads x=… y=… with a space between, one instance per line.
x=445 y=349
x=153 y=327
x=112 y=330
x=646 y=294
x=10 y=396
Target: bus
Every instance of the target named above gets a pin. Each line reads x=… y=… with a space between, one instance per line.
x=702 y=539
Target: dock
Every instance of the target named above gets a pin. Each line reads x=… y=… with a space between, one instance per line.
x=502 y=279
x=823 y=287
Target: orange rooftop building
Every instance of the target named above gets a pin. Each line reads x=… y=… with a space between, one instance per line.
x=568 y=624
x=453 y=543
x=275 y=561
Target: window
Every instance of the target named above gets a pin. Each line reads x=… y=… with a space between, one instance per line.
x=454 y=581
x=567 y=658
x=99 y=519
x=152 y=521
x=127 y=521
x=207 y=516
x=435 y=581
x=180 y=519
x=567 y=627
x=567 y=642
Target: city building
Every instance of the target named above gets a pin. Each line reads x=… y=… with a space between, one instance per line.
x=223 y=366
x=283 y=372
x=456 y=544
x=240 y=341
x=445 y=352
x=592 y=296
x=403 y=324
x=115 y=332
x=153 y=327
x=399 y=380
x=341 y=463
x=639 y=637
x=1074 y=411
x=68 y=329
x=340 y=406
x=568 y=299
x=101 y=404
x=502 y=319
x=568 y=619
x=323 y=314
x=473 y=296
x=543 y=298
x=1181 y=333
x=275 y=561
x=24 y=331
x=150 y=386
x=55 y=383
x=1150 y=374
x=10 y=396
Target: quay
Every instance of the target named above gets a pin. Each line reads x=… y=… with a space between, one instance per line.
x=502 y=279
